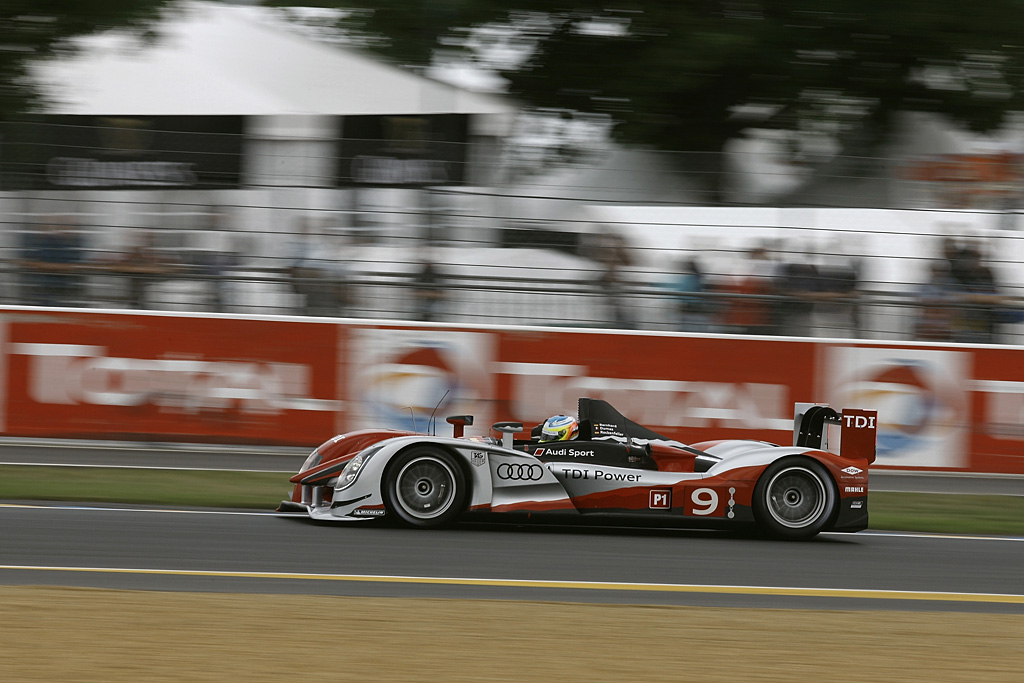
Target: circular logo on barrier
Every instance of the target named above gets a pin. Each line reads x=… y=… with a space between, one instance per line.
x=413 y=379
x=406 y=390
x=916 y=405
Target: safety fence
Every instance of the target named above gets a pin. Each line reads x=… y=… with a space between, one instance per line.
x=868 y=273
x=73 y=373
x=521 y=295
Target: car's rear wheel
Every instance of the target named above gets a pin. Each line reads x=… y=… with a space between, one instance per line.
x=425 y=487
x=794 y=499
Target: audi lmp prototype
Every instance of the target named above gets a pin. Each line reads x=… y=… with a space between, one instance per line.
x=613 y=466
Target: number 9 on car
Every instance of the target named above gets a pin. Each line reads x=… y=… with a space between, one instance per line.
x=706 y=501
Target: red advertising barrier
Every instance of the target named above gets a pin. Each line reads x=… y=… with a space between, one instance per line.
x=165 y=377
x=997 y=410
x=940 y=407
x=111 y=375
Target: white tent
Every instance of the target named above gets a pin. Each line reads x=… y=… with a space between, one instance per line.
x=211 y=60
x=214 y=59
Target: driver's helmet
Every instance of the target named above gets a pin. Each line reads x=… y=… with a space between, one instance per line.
x=560 y=428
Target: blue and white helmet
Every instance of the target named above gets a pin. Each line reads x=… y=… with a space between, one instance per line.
x=560 y=428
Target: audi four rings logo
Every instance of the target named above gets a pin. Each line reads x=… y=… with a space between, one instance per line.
x=518 y=472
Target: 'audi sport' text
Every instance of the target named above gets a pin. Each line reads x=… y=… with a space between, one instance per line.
x=572 y=452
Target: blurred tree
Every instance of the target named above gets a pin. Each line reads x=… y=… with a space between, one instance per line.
x=692 y=75
x=33 y=29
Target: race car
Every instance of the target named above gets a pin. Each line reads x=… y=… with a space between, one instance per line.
x=612 y=466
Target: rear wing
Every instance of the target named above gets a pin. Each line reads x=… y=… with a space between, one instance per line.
x=856 y=433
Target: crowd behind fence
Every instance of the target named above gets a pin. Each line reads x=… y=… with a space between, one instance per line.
x=193 y=214
x=604 y=282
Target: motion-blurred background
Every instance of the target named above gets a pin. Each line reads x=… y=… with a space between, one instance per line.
x=840 y=169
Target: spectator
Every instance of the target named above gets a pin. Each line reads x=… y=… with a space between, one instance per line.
x=429 y=289
x=52 y=263
x=218 y=265
x=694 y=307
x=798 y=285
x=143 y=265
x=311 y=272
x=340 y=274
x=838 y=309
x=979 y=299
x=936 y=298
x=614 y=287
x=750 y=309
x=955 y=256
x=612 y=255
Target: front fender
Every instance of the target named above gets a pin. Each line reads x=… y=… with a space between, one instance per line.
x=492 y=486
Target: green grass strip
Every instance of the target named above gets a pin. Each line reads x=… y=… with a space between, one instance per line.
x=260 y=490
x=941 y=513
x=947 y=513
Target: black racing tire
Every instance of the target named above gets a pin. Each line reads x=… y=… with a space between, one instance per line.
x=794 y=499
x=424 y=487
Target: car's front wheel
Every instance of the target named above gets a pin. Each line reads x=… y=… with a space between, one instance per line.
x=425 y=487
x=794 y=499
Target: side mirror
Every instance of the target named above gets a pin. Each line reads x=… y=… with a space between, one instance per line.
x=507 y=430
x=458 y=423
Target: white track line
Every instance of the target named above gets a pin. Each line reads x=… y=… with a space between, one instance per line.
x=242 y=513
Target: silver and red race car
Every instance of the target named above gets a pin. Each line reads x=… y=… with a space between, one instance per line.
x=614 y=466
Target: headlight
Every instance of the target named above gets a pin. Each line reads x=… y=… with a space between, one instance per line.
x=312 y=461
x=352 y=468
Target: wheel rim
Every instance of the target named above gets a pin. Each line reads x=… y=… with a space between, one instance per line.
x=425 y=488
x=796 y=497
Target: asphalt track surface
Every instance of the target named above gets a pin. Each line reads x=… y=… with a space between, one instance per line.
x=260 y=552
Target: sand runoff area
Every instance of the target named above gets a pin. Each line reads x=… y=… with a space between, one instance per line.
x=82 y=634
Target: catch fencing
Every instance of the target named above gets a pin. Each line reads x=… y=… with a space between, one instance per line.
x=206 y=214
x=879 y=289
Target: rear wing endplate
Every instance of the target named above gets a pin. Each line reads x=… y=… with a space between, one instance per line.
x=857 y=429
